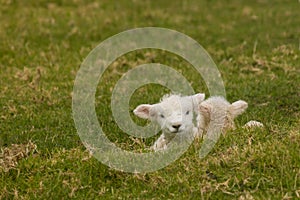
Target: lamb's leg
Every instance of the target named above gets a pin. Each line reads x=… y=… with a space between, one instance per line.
x=197 y=133
x=201 y=126
x=160 y=143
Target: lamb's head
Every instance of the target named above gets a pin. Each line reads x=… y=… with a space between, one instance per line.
x=219 y=110
x=174 y=113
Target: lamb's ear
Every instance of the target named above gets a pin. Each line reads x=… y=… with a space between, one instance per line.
x=143 y=111
x=238 y=107
x=205 y=109
x=198 y=98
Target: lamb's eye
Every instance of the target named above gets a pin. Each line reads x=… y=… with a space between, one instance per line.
x=187 y=112
x=162 y=116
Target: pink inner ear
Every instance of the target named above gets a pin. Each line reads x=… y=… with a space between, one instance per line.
x=205 y=108
x=198 y=98
x=144 y=110
x=238 y=107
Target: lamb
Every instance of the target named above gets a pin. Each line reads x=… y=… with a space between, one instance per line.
x=218 y=114
x=174 y=114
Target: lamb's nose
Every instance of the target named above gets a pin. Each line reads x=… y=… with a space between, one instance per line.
x=176 y=126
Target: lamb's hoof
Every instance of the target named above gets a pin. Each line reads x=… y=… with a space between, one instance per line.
x=253 y=124
x=156 y=148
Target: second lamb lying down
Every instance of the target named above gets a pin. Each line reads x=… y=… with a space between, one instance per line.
x=218 y=114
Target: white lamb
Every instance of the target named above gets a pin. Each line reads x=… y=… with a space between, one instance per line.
x=218 y=114
x=174 y=114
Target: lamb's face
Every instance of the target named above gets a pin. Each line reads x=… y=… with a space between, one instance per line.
x=174 y=113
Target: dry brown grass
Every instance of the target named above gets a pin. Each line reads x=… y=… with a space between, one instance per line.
x=10 y=156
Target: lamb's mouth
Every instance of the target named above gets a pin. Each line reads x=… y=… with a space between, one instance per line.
x=176 y=131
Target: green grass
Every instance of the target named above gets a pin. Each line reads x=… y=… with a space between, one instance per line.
x=255 y=45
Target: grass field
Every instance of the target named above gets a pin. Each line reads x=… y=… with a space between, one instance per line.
x=255 y=44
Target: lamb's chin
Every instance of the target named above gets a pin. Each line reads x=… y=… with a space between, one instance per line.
x=171 y=132
x=175 y=132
